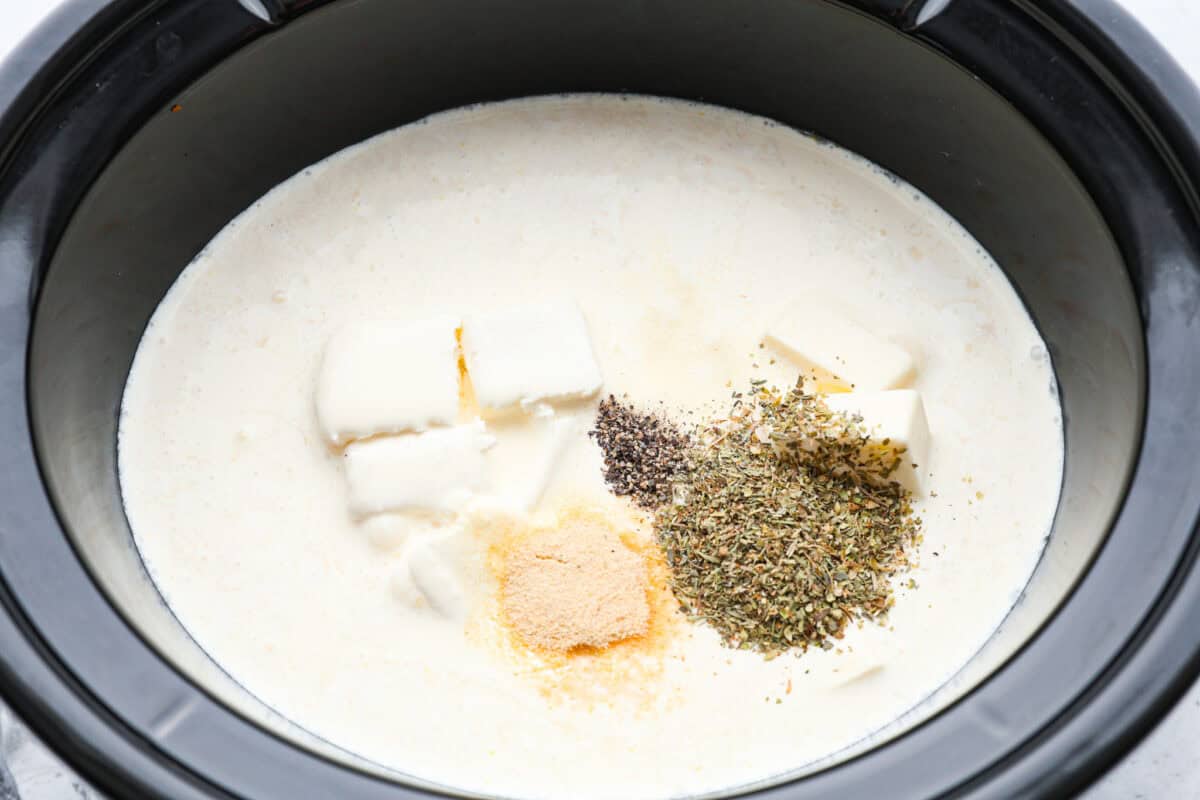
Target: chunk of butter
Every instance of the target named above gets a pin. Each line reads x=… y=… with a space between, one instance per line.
x=898 y=416
x=839 y=353
x=434 y=471
x=522 y=355
x=388 y=377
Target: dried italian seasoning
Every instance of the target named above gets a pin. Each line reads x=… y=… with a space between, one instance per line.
x=643 y=452
x=786 y=525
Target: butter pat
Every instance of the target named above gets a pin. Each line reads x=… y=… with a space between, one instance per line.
x=519 y=356
x=839 y=353
x=388 y=377
x=898 y=416
x=435 y=471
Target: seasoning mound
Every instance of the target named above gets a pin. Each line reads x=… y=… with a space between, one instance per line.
x=643 y=453
x=575 y=585
x=787 y=525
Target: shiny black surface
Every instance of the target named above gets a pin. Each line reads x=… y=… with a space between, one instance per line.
x=90 y=96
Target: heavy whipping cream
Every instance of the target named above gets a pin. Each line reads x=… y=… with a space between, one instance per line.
x=680 y=232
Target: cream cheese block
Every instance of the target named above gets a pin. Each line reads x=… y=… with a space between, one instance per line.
x=522 y=355
x=435 y=471
x=432 y=574
x=388 y=377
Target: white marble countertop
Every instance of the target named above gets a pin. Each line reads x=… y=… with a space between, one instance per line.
x=1166 y=765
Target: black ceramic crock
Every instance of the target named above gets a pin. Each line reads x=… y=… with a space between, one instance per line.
x=1056 y=131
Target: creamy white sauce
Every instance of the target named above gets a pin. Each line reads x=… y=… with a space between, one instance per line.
x=679 y=230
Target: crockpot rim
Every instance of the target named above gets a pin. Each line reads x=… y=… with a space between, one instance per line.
x=49 y=57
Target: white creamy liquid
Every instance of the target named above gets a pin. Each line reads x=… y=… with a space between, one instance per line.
x=680 y=230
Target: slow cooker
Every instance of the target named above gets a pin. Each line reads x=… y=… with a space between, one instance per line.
x=1056 y=131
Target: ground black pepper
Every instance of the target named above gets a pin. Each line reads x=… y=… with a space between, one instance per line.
x=643 y=452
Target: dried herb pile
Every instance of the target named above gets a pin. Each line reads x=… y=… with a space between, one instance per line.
x=643 y=452
x=785 y=526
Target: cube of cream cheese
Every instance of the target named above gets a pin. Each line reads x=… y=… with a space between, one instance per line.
x=428 y=578
x=388 y=377
x=430 y=472
x=837 y=352
x=556 y=434
x=522 y=355
x=898 y=416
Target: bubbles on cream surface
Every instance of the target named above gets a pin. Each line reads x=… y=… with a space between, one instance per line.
x=681 y=232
